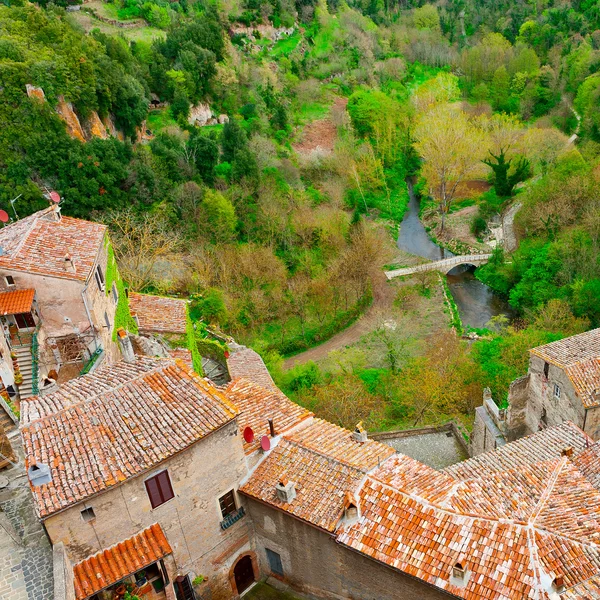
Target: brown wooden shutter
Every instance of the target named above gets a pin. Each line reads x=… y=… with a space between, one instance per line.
x=164 y=484
x=153 y=492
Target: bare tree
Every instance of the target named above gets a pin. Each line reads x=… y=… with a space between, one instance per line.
x=140 y=241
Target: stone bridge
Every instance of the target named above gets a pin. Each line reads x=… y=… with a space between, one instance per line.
x=445 y=265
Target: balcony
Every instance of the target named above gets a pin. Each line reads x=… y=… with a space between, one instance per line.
x=232 y=518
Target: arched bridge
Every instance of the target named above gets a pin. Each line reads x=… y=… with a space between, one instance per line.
x=445 y=265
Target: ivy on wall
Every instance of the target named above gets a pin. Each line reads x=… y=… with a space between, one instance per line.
x=123 y=316
x=192 y=344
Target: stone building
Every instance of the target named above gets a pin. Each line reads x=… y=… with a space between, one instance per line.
x=148 y=476
x=134 y=446
x=562 y=384
x=57 y=306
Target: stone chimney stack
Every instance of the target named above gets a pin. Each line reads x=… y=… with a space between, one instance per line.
x=286 y=490
x=126 y=346
x=69 y=264
x=360 y=433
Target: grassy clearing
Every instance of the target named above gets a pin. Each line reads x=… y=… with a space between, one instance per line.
x=143 y=33
x=159 y=119
x=285 y=46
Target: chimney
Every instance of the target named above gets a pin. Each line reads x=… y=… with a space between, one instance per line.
x=286 y=490
x=39 y=474
x=360 y=433
x=126 y=347
x=69 y=264
x=568 y=452
x=351 y=510
x=559 y=584
x=271 y=427
x=458 y=572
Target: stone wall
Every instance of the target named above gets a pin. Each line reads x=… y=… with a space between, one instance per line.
x=191 y=520
x=314 y=564
x=544 y=407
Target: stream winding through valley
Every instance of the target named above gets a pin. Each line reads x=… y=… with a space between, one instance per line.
x=476 y=302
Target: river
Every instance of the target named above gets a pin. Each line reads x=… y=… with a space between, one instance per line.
x=476 y=302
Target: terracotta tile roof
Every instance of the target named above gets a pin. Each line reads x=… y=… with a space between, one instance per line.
x=587 y=590
x=245 y=362
x=15 y=302
x=321 y=483
x=257 y=404
x=571 y=350
x=337 y=443
x=115 y=423
x=324 y=462
x=515 y=522
x=39 y=243
x=158 y=314
x=513 y=532
x=182 y=354
x=588 y=462
x=113 y=564
x=541 y=446
x=585 y=377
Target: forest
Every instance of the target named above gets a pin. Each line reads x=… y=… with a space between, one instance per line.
x=277 y=213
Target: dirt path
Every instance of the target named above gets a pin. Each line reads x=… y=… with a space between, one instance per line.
x=320 y=135
x=383 y=298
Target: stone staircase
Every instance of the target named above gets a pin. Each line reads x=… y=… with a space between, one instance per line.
x=215 y=371
x=25 y=361
x=5 y=421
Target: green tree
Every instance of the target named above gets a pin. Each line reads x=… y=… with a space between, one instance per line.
x=503 y=182
x=219 y=216
x=180 y=106
x=500 y=88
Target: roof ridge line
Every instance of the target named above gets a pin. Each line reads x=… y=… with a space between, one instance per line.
x=534 y=559
x=327 y=456
x=90 y=399
x=535 y=513
x=433 y=505
x=20 y=245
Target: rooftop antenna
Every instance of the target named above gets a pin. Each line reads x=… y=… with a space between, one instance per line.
x=4 y=218
x=12 y=203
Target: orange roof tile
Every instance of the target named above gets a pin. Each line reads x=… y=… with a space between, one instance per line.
x=514 y=532
x=245 y=362
x=586 y=590
x=571 y=350
x=16 y=302
x=514 y=522
x=38 y=244
x=321 y=483
x=159 y=314
x=324 y=462
x=131 y=417
x=585 y=377
x=337 y=443
x=257 y=404
x=588 y=462
x=541 y=446
x=182 y=354
x=110 y=566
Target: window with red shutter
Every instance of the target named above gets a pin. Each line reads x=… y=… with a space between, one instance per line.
x=159 y=489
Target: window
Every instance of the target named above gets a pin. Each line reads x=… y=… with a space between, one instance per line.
x=107 y=320
x=115 y=293
x=274 y=562
x=99 y=278
x=159 y=489
x=556 y=391
x=9 y=280
x=227 y=504
x=87 y=514
x=546 y=369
